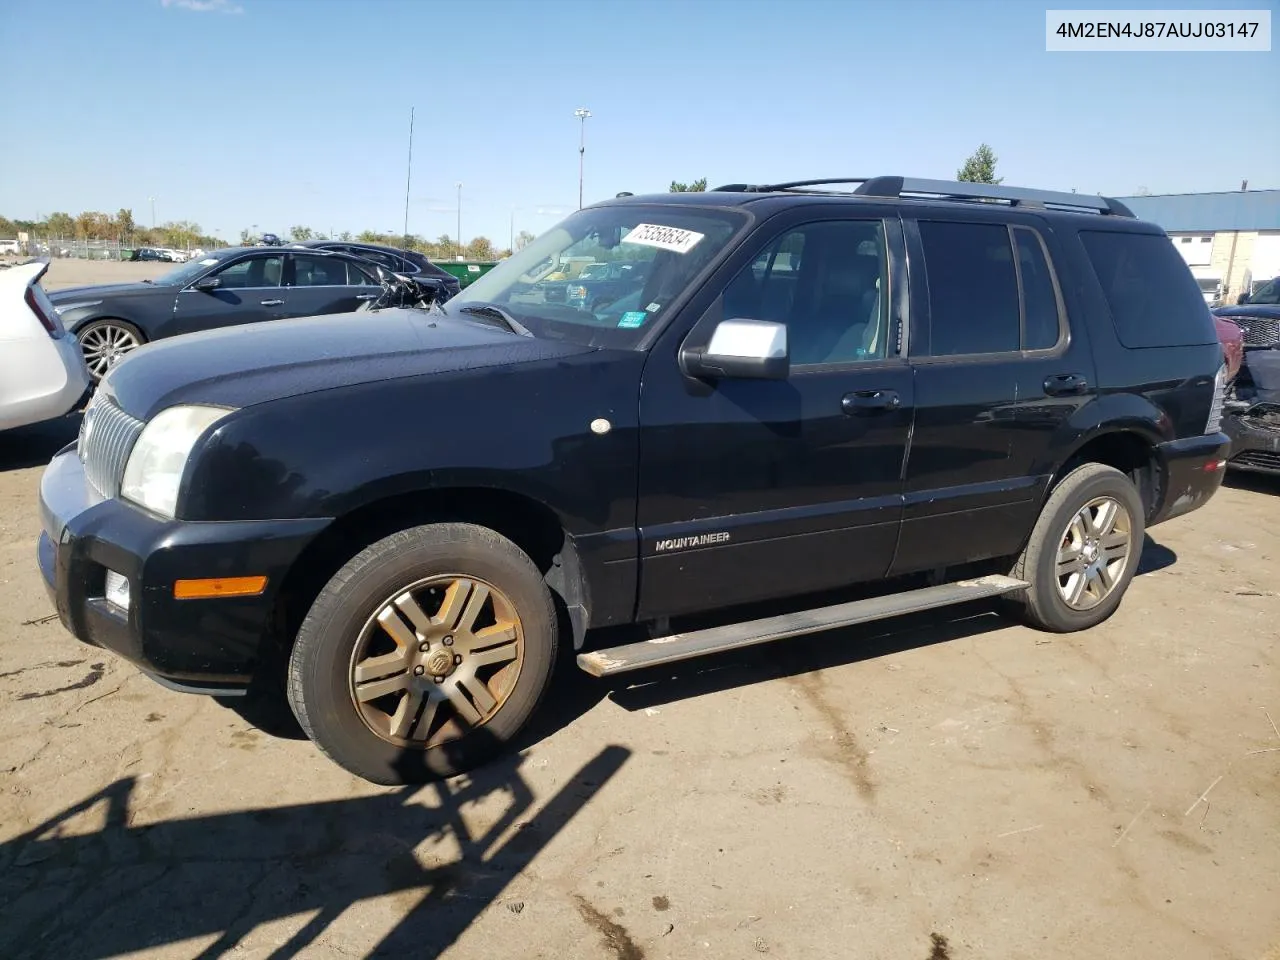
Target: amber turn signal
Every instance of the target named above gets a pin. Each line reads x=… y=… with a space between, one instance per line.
x=219 y=587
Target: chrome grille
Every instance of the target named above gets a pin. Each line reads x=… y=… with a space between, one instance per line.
x=107 y=435
x=1259 y=331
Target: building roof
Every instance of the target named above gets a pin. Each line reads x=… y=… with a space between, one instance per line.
x=1209 y=212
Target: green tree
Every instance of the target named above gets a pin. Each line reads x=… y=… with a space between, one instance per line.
x=345 y=235
x=980 y=167
x=300 y=233
x=698 y=186
x=61 y=224
x=8 y=229
x=125 y=225
x=480 y=248
x=368 y=236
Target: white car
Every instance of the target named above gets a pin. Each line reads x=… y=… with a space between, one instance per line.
x=42 y=370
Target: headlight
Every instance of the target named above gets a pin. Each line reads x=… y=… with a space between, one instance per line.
x=64 y=307
x=154 y=471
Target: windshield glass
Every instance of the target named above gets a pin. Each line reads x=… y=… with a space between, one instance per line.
x=184 y=273
x=1269 y=292
x=604 y=276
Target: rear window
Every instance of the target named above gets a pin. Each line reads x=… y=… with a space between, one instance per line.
x=1154 y=300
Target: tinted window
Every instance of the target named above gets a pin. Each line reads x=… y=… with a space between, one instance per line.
x=317 y=271
x=1154 y=300
x=254 y=272
x=357 y=277
x=1040 y=322
x=973 y=290
x=827 y=282
x=1267 y=293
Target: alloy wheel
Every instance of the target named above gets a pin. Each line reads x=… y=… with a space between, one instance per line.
x=436 y=660
x=104 y=346
x=1093 y=553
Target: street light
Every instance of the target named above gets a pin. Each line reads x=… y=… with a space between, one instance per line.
x=153 y=212
x=581 y=113
x=459 y=219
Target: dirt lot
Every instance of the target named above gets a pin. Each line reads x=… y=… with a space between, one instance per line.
x=946 y=786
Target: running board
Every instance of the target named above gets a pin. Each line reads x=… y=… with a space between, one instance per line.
x=686 y=646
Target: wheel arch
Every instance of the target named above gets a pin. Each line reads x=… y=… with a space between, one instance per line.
x=1129 y=448
x=531 y=525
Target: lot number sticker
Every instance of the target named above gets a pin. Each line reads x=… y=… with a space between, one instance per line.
x=664 y=238
x=633 y=318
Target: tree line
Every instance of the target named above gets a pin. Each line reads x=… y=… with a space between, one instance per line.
x=121 y=227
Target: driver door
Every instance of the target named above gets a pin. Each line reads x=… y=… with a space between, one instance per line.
x=759 y=488
x=249 y=291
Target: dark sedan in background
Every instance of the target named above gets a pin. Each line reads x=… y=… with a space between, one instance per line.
x=410 y=263
x=231 y=286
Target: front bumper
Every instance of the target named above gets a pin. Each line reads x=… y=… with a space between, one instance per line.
x=1255 y=438
x=207 y=645
x=1192 y=469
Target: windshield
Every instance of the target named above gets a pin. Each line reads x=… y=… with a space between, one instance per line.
x=639 y=259
x=183 y=274
x=1269 y=292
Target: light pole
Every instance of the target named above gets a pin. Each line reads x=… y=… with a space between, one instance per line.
x=511 y=243
x=581 y=113
x=153 y=212
x=459 y=219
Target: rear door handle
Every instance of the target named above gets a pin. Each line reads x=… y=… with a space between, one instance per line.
x=367 y=296
x=1065 y=384
x=270 y=303
x=869 y=401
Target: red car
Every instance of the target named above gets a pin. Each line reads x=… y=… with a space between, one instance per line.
x=1232 y=339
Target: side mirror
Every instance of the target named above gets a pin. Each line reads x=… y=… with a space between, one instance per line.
x=750 y=349
x=206 y=284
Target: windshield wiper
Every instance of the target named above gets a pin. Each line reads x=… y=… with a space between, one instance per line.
x=497 y=313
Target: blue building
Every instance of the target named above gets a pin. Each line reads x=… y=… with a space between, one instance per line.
x=1230 y=240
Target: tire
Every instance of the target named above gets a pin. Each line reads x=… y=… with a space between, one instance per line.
x=105 y=342
x=361 y=637
x=1045 y=603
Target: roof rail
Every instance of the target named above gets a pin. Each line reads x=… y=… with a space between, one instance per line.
x=896 y=187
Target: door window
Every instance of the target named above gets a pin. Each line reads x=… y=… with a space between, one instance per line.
x=254 y=272
x=828 y=282
x=973 y=289
x=358 y=278
x=1041 y=325
x=310 y=270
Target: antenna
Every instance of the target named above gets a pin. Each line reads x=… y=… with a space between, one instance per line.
x=408 y=178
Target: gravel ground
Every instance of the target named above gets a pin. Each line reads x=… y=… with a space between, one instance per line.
x=941 y=786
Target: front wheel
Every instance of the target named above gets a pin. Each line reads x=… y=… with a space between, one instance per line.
x=105 y=343
x=425 y=654
x=1083 y=551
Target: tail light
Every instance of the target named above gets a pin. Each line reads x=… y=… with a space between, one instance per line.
x=47 y=318
x=1214 y=423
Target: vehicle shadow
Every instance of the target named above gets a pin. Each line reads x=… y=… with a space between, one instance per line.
x=34 y=446
x=126 y=886
x=1255 y=482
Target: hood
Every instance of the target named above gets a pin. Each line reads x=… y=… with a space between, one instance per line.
x=104 y=290
x=1271 y=310
x=258 y=362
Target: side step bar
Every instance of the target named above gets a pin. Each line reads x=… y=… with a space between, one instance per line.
x=686 y=646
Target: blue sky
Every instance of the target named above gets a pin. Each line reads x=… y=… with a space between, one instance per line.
x=275 y=112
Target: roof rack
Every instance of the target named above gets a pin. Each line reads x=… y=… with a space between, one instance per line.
x=897 y=187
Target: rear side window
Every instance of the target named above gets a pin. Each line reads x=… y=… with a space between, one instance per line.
x=1039 y=299
x=973 y=288
x=1154 y=300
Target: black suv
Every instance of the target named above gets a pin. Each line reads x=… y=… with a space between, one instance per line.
x=992 y=390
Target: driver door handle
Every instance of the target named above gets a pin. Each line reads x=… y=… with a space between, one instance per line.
x=869 y=401
x=270 y=303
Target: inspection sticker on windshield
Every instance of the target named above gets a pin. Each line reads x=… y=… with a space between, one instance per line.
x=633 y=318
x=664 y=238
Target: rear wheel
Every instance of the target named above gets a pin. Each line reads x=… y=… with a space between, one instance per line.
x=425 y=654
x=1083 y=551
x=105 y=343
